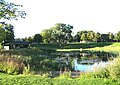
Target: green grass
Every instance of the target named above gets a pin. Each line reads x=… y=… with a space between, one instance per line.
x=42 y=80
x=72 y=45
x=114 y=48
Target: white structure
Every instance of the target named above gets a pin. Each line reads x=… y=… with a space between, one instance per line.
x=6 y=47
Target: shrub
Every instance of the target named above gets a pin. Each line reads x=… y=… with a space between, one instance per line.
x=10 y=64
x=114 y=68
x=26 y=69
x=102 y=73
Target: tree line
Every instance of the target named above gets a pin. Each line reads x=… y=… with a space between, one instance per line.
x=62 y=33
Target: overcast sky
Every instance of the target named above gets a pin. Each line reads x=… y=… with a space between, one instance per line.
x=98 y=15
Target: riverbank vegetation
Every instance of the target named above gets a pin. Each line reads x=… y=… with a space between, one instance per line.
x=109 y=75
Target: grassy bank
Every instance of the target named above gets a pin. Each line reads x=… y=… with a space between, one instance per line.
x=101 y=46
x=42 y=80
x=114 y=48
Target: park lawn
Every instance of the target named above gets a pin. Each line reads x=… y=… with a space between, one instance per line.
x=6 y=79
x=114 y=48
x=99 y=46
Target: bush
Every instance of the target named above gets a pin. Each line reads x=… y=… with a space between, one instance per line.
x=114 y=68
x=102 y=73
x=10 y=64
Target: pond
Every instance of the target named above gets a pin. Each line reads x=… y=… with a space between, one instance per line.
x=88 y=65
x=83 y=61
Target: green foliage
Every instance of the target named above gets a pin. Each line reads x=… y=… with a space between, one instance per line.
x=26 y=69
x=46 y=35
x=101 y=73
x=104 y=38
x=65 y=74
x=117 y=36
x=87 y=36
x=114 y=68
x=10 y=64
x=2 y=34
x=43 y=80
x=107 y=47
x=37 y=38
x=60 y=33
x=10 y=10
x=31 y=59
x=6 y=32
x=9 y=32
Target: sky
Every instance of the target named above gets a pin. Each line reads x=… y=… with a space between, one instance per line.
x=98 y=15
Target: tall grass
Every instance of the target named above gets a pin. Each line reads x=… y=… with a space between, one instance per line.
x=10 y=64
x=26 y=60
x=110 y=71
x=114 y=68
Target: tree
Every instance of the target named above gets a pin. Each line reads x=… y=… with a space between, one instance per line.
x=97 y=37
x=2 y=33
x=91 y=36
x=8 y=11
x=117 y=37
x=46 y=35
x=9 y=33
x=30 y=39
x=62 y=33
x=104 y=38
x=84 y=37
x=111 y=36
x=76 y=38
x=87 y=35
x=37 y=38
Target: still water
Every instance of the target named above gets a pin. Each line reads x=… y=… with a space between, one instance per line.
x=88 y=65
x=85 y=61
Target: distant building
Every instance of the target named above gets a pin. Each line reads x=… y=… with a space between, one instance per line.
x=16 y=44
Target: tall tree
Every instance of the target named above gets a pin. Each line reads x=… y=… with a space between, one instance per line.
x=62 y=32
x=46 y=35
x=97 y=37
x=29 y=39
x=2 y=33
x=37 y=38
x=76 y=38
x=8 y=11
x=118 y=36
x=104 y=38
x=9 y=33
x=84 y=37
x=111 y=36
